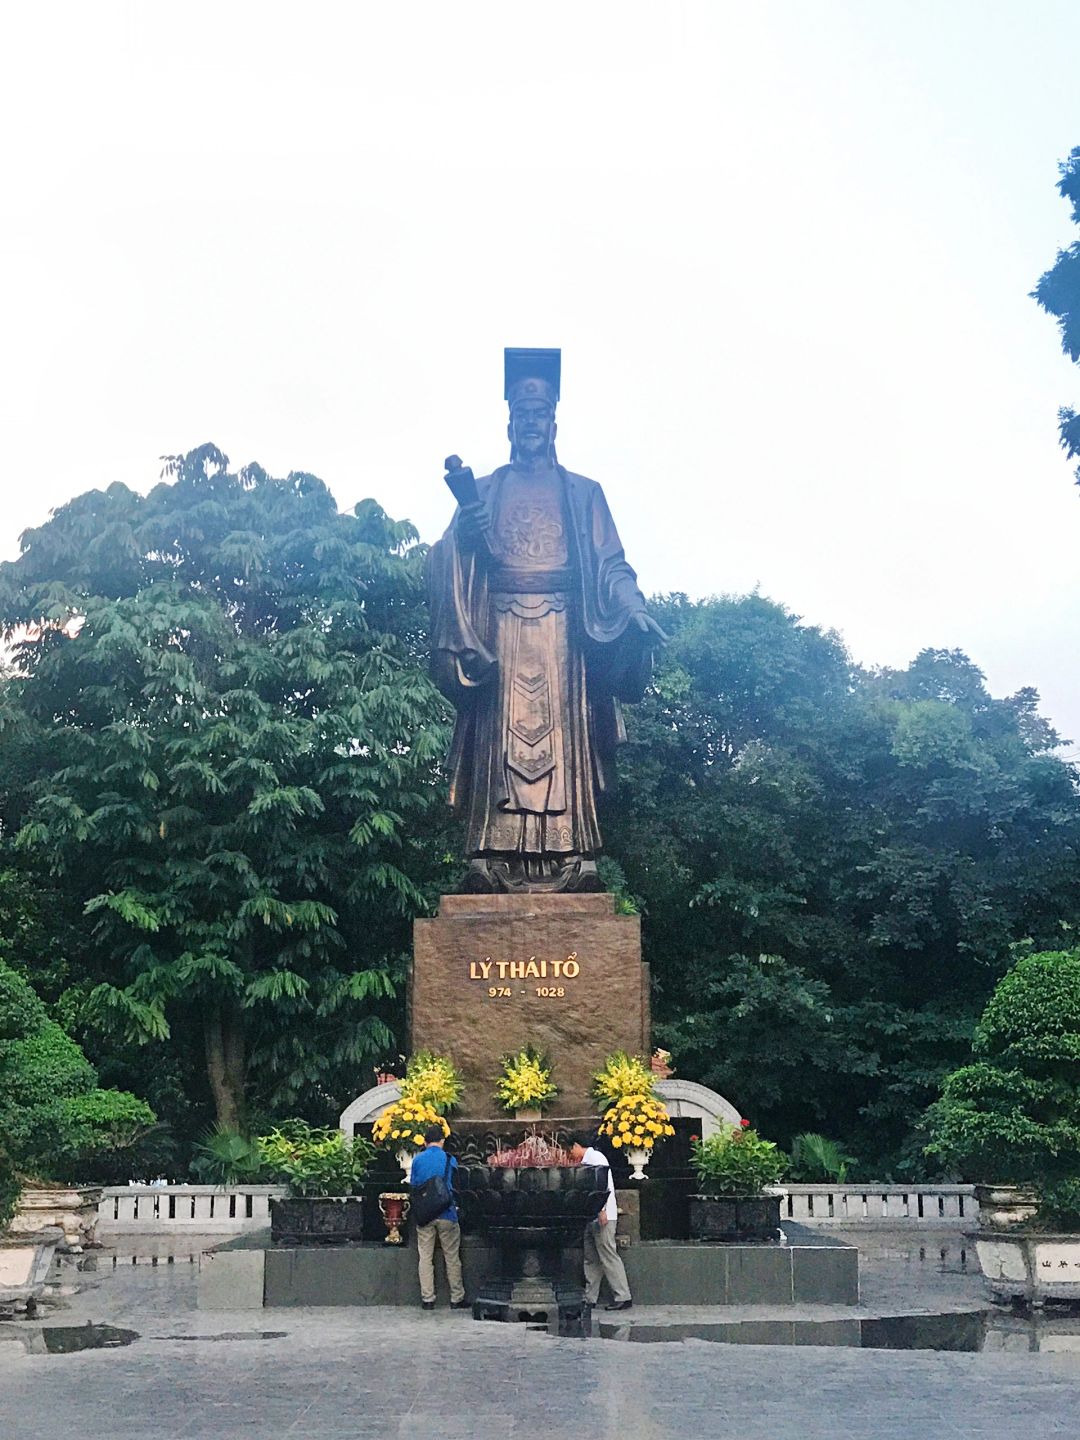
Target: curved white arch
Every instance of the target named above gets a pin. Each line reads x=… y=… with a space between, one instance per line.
x=687 y=1097
x=369 y=1105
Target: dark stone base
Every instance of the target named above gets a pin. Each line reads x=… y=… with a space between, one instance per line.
x=806 y=1270
x=561 y=1308
x=323 y=1221
x=734 y=1218
x=958 y=1330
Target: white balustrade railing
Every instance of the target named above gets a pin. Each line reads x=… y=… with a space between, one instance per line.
x=214 y=1210
x=879 y=1204
x=189 y=1209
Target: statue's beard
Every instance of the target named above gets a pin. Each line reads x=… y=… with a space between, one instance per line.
x=536 y=458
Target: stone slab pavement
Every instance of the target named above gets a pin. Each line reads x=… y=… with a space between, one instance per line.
x=335 y=1373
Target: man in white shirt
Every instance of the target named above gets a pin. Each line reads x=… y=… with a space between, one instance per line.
x=601 y=1257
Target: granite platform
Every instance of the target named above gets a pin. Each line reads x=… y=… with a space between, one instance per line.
x=809 y=1269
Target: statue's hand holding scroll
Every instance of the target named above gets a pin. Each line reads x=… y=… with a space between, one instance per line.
x=472 y=516
x=472 y=525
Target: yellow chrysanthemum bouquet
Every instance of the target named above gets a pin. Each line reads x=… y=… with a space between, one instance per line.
x=432 y=1085
x=401 y=1125
x=636 y=1122
x=634 y=1119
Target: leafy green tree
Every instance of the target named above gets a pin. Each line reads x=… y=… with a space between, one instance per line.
x=229 y=750
x=1058 y=292
x=833 y=866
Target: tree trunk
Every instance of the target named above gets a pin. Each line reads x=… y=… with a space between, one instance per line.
x=225 y=1064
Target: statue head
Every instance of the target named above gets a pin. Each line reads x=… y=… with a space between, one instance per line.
x=532 y=430
x=531 y=389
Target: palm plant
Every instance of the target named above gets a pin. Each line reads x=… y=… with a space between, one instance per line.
x=817 y=1160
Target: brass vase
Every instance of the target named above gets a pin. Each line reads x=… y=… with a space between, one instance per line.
x=394 y=1206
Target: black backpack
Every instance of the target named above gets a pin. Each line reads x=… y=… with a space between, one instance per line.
x=430 y=1199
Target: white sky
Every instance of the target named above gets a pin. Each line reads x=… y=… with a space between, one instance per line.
x=785 y=248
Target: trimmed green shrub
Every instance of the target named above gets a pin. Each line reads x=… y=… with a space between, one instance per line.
x=21 y=1012
x=1013 y=1115
x=9 y=1189
x=55 y=1122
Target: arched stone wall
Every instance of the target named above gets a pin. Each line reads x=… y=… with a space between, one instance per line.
x=686 y=1097
x=369 y=1105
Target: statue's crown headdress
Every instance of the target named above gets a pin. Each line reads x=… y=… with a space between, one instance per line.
x=531 y=375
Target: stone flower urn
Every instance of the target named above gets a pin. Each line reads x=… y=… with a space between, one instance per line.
x=73 y=1208
x=404 y=1159
x=24 y=1267
x=638 y=1159
x=1003 y=1205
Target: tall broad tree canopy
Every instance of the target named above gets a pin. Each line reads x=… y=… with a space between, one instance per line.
x=1058 y=292
x=222 y=738
x=834 y=865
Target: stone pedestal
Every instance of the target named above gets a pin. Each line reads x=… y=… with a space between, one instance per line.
x=493 y=973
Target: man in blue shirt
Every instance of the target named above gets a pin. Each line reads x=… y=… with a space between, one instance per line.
x=432 y=1161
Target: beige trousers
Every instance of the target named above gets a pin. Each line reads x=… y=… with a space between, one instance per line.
x=448 y=1234
x=602 y=1261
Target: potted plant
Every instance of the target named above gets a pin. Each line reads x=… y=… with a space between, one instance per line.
x=525 y=1085
x=400 y=1127
x=634 y=1119
x=735 y=1167
x=322 y=1169
x=1010 y=1121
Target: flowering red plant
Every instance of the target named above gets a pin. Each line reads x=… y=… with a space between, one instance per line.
x=737 y=1161
x=745 y=1123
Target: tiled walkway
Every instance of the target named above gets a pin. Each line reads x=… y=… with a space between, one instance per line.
x=363 y=1373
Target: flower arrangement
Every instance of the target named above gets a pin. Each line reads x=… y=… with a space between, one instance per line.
x=737 y=1161
x=636 y=1122
x=432 y=1079
x=314 y=1161
x=401 y=1125
x=622 y=1075
x=525 y=1082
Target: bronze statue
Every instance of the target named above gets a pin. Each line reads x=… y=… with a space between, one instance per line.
x=538 y=631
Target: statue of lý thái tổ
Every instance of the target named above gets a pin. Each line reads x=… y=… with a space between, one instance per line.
x=538 y=632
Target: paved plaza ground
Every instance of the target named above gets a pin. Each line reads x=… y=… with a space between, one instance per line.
x=335 y=1373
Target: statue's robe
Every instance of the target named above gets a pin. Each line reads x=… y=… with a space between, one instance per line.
x=533 y=641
